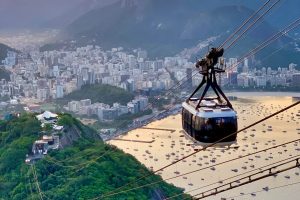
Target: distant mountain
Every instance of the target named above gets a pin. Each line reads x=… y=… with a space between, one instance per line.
x=166 y=27
x=20 y=14
x=99 y=93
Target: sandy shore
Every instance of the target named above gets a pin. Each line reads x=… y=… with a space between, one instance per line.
x=156 y=148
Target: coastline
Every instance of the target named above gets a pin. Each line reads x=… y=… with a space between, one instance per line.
x=262 y=94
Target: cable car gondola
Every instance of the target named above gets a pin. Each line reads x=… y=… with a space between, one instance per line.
x=209 y=119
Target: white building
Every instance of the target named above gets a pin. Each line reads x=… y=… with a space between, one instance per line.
x=261 y=81
x=42 y=94
x=59 y=91
x=73 y=106
x=85 y=102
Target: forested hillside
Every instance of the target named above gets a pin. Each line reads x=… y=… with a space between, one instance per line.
x=99 y=93
x=87 y=169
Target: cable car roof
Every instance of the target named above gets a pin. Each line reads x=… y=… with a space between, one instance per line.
x=213 y=112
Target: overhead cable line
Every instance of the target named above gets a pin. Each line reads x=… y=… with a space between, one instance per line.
x=67 y=159
x=180 y=83
x=256 y=26
x=81 y=165
x=252 y=52
x=36 y=182
x=273 y=38
x=271 y=54
x=266 y=189
x=202 y=149
x=222 y=181
x=249 y=179
x=30 y=184
x=251 y=25
x=263 y=45
x=243 y=24
x=233 y=133
x=204 y=168
x=41 y=194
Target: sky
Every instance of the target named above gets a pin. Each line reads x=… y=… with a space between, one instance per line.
x=42 y=13
x=34 y=13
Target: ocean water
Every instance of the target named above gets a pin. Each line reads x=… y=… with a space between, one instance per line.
x=164 y=141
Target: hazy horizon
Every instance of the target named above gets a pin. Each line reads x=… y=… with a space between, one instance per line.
x=20 y=14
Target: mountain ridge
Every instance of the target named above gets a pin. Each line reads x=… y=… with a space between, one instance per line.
x=151 y=25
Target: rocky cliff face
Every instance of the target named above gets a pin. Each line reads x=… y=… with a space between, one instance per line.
x=75 y=131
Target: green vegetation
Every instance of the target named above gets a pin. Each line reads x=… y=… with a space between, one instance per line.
x=87 y=169
x=47 y=127
x=99 y=93
x=66 y=120
x=16 y=138
x=94 y=170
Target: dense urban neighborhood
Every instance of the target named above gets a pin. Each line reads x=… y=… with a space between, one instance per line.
x=76 y=75
x=43 y=76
